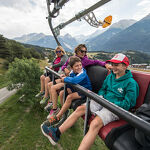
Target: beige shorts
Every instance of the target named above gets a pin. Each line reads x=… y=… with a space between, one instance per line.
x=106 y=115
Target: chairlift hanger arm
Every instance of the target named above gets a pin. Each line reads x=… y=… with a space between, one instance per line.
x=81 y=14
x=51 y=27
x=50 y=22
x=59 y=6
x=56 y=31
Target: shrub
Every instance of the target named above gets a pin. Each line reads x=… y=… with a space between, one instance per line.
x=24 y=72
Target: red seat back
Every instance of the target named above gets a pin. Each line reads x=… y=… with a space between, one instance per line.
x=143 y=80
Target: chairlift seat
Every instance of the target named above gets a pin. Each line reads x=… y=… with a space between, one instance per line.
x=113 y=130
x=128 y=136
x=118 y=135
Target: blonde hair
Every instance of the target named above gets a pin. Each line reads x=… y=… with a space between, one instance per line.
x=60 y=48
x=78 y=48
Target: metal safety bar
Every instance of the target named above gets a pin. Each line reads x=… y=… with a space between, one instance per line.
x=86 y=116
x=132 y=119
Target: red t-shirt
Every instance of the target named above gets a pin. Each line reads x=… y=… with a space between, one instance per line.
x=57 y=60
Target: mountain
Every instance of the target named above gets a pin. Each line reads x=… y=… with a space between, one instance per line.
x=123 y=35
x=29 y=37
x=123 y=24
x=67 y=41
x=95 y=44
x=83 y=38
x=135 y=37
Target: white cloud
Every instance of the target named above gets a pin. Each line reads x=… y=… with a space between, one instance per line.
x=143 y=9
x=23 y=18
x=143 y=3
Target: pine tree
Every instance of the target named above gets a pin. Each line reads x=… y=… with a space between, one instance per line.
x=4 y=51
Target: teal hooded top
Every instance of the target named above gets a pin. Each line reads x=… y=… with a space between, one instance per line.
x=122 y=91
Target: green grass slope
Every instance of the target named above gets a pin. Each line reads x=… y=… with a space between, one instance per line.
x=20 y=129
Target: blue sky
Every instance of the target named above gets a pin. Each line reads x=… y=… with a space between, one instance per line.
x=20 y=17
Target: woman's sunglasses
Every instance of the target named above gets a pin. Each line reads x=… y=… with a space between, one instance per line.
x=82 y=51
x=58 y=51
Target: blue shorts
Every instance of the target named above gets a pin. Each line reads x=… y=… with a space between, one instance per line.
x=73 y=90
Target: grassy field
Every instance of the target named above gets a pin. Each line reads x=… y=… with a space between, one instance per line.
x=20 y=129
x=43 y=63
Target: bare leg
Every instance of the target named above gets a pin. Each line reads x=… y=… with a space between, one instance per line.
x=80 y=111
x=54 y=94
x=50 y=85
x=42 y=79
x=61 y=95
x=58 y=81
x=67 y=103
x=49 y=90
x=47 y=79
x=90 y=137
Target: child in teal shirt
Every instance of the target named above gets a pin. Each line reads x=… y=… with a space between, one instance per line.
x=119 y=88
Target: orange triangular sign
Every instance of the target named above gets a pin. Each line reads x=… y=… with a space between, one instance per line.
x=107 y=21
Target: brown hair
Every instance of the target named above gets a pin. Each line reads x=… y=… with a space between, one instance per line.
x=73 y=60
x=60 y=48
x=78 y=48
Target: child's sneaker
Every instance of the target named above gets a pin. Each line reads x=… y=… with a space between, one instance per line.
x=53 y=112
x=53 y=120
x=48 y=107
x=50 y=133
x=44 y=100
x=47 y=123
x=39 y=94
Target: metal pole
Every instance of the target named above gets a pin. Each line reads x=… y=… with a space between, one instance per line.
x=53 y=79
x=64 y=96
x=46 y=72
x=51 y=27
x=86 y=116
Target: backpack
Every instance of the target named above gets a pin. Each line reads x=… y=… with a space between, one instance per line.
x=144 y=113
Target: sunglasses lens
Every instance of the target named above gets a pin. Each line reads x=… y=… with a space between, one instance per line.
x=58 y=51
x=83 y=51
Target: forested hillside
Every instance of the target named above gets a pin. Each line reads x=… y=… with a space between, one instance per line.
x=10 y=49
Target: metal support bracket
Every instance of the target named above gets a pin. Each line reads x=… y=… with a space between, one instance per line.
x=57 y=29
x=91 y=20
